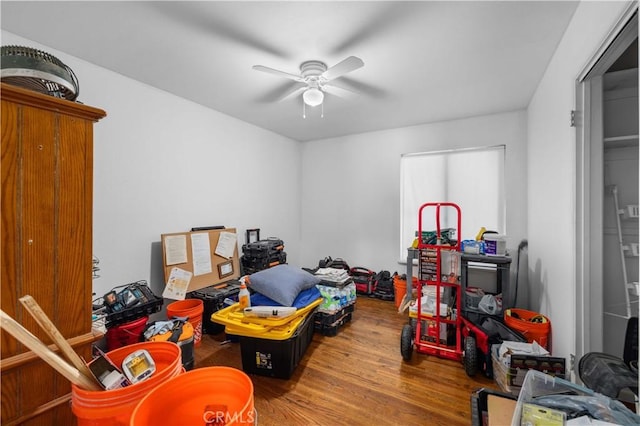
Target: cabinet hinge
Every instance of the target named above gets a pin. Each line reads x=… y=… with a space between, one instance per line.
x=572 y=361
x=573 y=118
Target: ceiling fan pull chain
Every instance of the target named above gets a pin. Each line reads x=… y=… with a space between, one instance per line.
x=304 y=111
x=322 y=113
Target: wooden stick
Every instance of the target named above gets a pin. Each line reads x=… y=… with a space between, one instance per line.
x=45 y=323
x=25 y=337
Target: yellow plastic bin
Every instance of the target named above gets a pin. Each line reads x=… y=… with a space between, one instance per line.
x=270 y=346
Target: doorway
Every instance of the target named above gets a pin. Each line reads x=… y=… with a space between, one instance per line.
x=607 y=193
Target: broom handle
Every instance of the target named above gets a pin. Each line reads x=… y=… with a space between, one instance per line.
x=25 y=337
x=45 y=323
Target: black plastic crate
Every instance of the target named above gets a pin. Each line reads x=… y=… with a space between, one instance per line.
x=147 y=304
x=276 y=358
x=333 y=328
x=260 y=263
x=263 y=248
x=213 y=300
x=328 y=318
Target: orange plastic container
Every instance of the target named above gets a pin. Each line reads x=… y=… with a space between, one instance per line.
x=219 y=395
x=192 y=309
x=114 y=407
x=532 y=325
x=400 y=288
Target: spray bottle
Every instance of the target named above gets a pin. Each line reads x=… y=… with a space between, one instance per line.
x=244 y=297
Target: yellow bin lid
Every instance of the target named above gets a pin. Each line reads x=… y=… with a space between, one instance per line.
x=236 y=323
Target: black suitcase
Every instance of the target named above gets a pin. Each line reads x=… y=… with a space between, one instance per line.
x=213 y=298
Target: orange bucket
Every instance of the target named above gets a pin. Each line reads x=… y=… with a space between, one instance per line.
x=114 y=407
x=532 y=325
x=218 y=395
x=192 y=309
x=400 y=288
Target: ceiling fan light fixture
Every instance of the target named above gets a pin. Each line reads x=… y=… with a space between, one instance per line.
x=313 y=97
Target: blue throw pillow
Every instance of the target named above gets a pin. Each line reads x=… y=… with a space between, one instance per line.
x=282 y=283
x=304 y=299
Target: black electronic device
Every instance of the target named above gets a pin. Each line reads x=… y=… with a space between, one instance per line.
x=129 y=302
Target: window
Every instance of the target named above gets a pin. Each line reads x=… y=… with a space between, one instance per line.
x=471 y=178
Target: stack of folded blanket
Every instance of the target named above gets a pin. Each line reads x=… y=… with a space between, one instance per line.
x=333 y=276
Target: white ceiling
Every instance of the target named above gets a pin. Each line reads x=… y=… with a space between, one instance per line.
x=425 y=61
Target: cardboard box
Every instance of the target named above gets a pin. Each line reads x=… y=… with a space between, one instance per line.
x=510 y=378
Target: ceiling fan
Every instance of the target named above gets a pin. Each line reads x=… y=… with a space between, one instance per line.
x=316 y=79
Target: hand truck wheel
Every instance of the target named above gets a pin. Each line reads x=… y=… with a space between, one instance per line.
x=470 y=356
x=406 y=342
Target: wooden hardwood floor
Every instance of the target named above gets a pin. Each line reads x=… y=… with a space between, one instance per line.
x=358 y=377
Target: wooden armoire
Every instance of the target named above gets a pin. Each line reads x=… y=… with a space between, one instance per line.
x=46 y=234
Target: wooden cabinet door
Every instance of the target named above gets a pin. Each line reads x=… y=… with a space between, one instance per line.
x=46 y=232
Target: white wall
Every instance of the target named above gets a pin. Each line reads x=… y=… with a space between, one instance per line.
x=163 y=164
x=552 y=171
x=351 y=197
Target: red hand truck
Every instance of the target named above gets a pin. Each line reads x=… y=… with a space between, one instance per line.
x=435 y=323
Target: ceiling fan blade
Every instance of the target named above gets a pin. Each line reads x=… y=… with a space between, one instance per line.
x=350 y=64
x=294 y=93
x=276 y=93
x=353 y=85
x=277 y=72
x=338 y=91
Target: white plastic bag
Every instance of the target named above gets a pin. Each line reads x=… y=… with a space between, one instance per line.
x=490 y=304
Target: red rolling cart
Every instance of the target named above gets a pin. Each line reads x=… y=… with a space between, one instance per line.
x=435 y=325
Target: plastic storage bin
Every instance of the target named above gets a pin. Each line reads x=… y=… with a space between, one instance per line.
x=270 y=346
x=276 y=358
x=547 y=391
x=495 y=244
x=328 y=324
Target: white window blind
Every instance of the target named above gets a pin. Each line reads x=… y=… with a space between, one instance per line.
x=471 y=178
